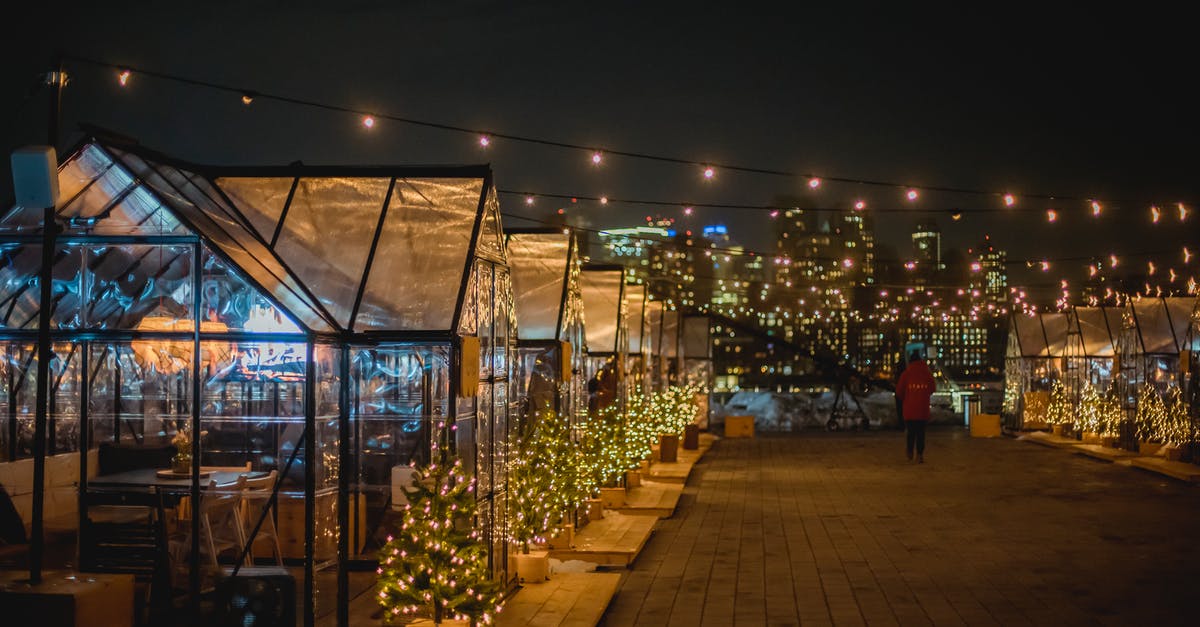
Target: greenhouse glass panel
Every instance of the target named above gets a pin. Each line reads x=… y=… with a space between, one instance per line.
x=418 y=269
x=18 y=390
x=696 y=342
x=137 y=287
x=635 y=302
x=602 y=300
x=491 y=237
x=485 y=310
x=260 y=198
x=538 y=263
x=20 y=293
x=327 y=234
x=1093 y=327
x=1030 y=335
x=502 y=322
x=670 y=334
x=228 y=299
x=484 y=435
x=1055 y=325
x=1154 y=327
x=1180 y=312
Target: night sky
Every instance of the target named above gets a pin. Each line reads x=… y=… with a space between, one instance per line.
x=1089 y=105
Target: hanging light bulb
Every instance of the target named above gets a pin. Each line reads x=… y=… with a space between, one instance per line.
x=368 y=121
x=1093 y=270
x=1112 y=261
x=911 y=194
x=529 y=200
x=1009 y=200
x=1187 y=255
x=247 y=98
x=1154 y=214
x=123 y=77
x=1152 y=268
x=860 y=205
x=687 y=211
x=709 y=172
x=956 y=216
x=1045 y=266
x=1183 y=211
x=814 y=183
x=1051 y=215
x=1171 y=271
x=597 y=157
x=484 y=141
x=1096 y=208
x=604 y=200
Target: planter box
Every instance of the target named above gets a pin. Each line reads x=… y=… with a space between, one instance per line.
x=668 y=448
x=985 y=426
x=691 y=437
x=612 y=498
x=1148 y=448
x=1091 y=437
x=564 y=539
x=531 y=568
x=1173 y=453
x=1057 y=429
x=645 y=466
x=633 y=479
x=594 y=508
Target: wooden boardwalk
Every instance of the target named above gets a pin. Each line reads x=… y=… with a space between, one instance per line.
x=679 y=471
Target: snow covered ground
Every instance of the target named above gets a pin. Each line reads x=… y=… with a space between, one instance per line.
x=794 y=411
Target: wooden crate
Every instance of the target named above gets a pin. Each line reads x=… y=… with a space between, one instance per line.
x=739 y=426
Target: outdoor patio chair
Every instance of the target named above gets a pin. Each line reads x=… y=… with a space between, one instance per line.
x=256 y=499
x=220 y=529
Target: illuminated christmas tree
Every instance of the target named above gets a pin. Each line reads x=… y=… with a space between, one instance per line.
x=438 y=562
x=1151 y=415
x=1061 y=410
x=544 y=469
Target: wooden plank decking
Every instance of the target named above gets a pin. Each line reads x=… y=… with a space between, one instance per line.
x=652 y=498
x=614 y=540
x=566 y=600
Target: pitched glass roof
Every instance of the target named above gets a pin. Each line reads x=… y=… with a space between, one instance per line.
x=340 y=248
x=603 y=298
x=635 y=301
x=538 y=263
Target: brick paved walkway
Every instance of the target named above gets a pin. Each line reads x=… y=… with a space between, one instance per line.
x=838 y=528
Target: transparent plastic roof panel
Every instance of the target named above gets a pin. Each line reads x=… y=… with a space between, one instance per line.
x=538 y=263
x=1162 y=323
x=635 y=301
x=602 y=300
x=1099 y=339
x=696 y=342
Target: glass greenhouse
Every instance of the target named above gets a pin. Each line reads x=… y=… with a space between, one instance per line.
x=652 y=342
x=606 y=325
x=637 y=369
x=1033 y=361
x=551 y=351
x=323 y=326
x=1153 y=349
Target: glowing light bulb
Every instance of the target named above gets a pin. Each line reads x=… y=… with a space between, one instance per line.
x=1009 y=200
x=814 y=183
x=709 y=172
x=368 y=121
x=1093 y=270
x=1096 y=208
x=123 y=77
x=484 y=141
x=1151 y=266
x=912 y=194
x=860 y=205
x=1183 y=211
x=1172 y=273
x=1112 y=261
x=597 y=158
x=247 y=98
x=956 y=216
x=1187 y=255
x=687 y=211
x=847 y=263
x=775 y=214
x=529 y=200
x=976 y=267
x=604 y=200
x=1155 y=214
x=1045 y=266
x=1051 y=215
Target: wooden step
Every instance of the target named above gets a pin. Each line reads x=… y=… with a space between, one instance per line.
x=614 y=540
x=1106 y=453
x=1178 y=470
x=566 y=600
x=652 y=498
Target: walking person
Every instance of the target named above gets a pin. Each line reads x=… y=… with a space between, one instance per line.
x=913 y=390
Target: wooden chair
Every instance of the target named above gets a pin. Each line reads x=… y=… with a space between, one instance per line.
x=256 y=498
x=220 y=528
x=243 y=468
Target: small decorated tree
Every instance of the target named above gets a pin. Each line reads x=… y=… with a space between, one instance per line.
x=1151 y=414
x=438 y=562
x=540 y=477
x=1060 y=410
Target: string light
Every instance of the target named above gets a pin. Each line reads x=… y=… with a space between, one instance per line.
x=1154 y=214
x=247 y=98
x=604 y=200
x=1095 y=208
x=1112 y=261
x=123 y=77
x=1152 y=268
x=912 y=195
x=368 y=121
x=1183 y=211
x=814 y=183
x=597 y=157
x=529 y=200
x=1045 y=266
x=1051 y=215
x=1187 y=255
x=709 y=172
x=860 y=205
x=1009 y=200
x=687 y=211
x=484 y=141
x=956 y=216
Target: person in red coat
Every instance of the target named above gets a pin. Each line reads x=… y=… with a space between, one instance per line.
x=913 y=390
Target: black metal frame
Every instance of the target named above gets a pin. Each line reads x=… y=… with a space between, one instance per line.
x=342 y=336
